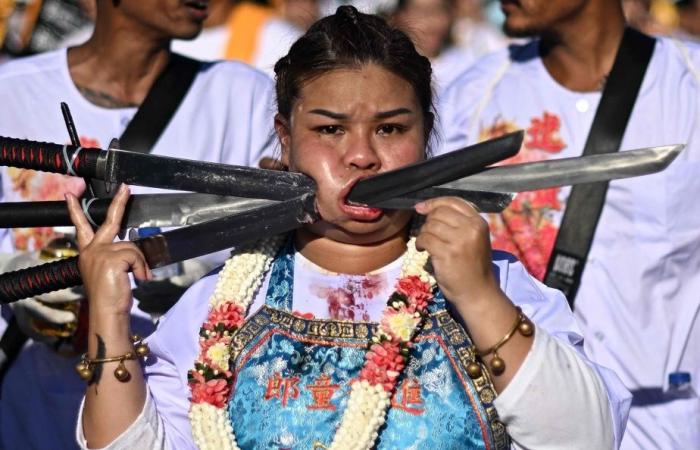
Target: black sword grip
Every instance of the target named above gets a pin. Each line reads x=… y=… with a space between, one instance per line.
x=48 y=157
x=39 y=279
x=46 y=214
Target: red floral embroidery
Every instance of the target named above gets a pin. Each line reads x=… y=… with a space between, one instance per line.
x=526 y=228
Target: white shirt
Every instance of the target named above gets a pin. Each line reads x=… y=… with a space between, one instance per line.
x=638 y=302
x=595 y=401
x=274 y=39
x=225 y=117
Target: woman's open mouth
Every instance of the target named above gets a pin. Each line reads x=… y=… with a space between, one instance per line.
x=358 y=211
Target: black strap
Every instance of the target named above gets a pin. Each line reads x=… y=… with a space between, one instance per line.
x=159 y=106
x=586 y=201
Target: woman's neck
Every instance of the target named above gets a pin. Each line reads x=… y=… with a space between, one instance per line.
x=352 y=259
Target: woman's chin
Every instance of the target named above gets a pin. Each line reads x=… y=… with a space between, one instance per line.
x=362 y=232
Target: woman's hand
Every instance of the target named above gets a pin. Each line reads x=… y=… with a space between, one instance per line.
x=457 y=238
x=105 y=264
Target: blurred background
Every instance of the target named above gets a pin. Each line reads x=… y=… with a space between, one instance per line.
x=453 y=33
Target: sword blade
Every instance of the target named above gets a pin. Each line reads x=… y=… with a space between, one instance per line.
x=487 y=202
x=143 y=210
x=229 y=231
x=436 y=170
x=200 y=176
x=569 y=171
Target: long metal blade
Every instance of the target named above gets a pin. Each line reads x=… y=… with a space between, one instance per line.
x=200 y=176
x=435 y=171
x=229 y=231
x=569 y=171
x=143 y=210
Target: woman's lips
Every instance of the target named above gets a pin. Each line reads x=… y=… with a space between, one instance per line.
x=359 y=212
x=356 y=211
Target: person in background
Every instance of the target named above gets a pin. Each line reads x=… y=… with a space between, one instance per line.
x=258 y=33
x=471 y=30
x=225 y=117
x=429 y=24
x=638 y=300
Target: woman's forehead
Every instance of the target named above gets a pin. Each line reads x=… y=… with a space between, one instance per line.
x=368 y=88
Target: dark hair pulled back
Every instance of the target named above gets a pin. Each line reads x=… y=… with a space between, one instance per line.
x=350 y=39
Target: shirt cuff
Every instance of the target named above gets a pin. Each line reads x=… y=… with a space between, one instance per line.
x=145 y=432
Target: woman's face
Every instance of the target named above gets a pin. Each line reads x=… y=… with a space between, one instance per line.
x=346 y=125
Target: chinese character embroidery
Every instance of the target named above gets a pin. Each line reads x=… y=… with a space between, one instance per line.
x=408 y=397
x=322 y=392
x=282 y=388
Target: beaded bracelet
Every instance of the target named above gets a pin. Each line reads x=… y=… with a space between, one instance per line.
x=524 y=326
x=85 y=366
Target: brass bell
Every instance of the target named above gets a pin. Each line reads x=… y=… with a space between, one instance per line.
x=473 y=370
x=121 y=374
x=84 y=371
x=526 y=328
x=142 y=349
x=498 y=366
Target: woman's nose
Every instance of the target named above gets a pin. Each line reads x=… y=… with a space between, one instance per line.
x=361 y=154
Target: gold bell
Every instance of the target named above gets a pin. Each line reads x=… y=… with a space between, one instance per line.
x=84 y=371
x=473 y=370
x=526 y=328
x=498 y=366
x=142 y=349
x=120 y=373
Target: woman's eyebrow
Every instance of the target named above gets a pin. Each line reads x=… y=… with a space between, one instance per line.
x=392 y=113
x=331 y=114
x=379 y=115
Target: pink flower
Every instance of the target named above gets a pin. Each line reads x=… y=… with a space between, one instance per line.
x=417 y=292
x=215 y=392
x=226 y=314
x=383 y=364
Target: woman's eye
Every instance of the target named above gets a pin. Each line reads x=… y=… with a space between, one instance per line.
x=388 y=129
x=329 y=129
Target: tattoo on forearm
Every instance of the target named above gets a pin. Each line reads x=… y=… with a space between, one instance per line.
x=97 y=371
x=103 y=99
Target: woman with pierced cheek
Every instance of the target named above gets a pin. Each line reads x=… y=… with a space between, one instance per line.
x=463 y=349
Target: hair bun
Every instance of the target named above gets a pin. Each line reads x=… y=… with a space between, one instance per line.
x=348 y=12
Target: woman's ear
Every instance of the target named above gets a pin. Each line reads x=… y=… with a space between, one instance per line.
x=284 y=136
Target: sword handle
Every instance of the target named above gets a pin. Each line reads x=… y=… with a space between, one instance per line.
x=48 y=157
x=39 y=279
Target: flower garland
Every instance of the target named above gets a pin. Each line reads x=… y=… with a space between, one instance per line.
x=211 y=380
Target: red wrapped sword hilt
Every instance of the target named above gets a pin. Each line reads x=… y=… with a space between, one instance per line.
x=50 y=277
x=47 y=157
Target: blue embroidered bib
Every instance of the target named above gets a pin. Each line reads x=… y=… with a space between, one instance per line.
x=292 y=379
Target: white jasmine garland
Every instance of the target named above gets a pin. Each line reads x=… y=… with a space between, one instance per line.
x=369 y=398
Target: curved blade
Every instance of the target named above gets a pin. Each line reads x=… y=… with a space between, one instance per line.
x=569 y=171
x=434 y=171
